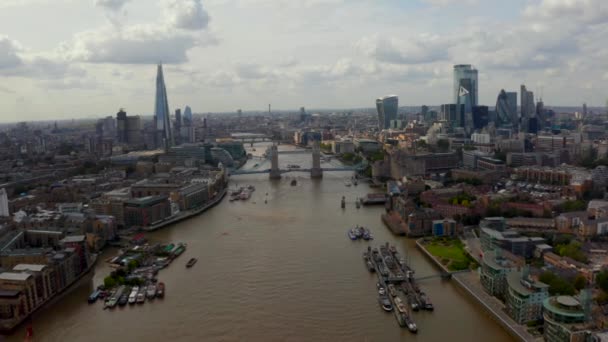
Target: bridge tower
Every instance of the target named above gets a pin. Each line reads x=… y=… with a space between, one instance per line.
x=275 y=172
x=316 y=171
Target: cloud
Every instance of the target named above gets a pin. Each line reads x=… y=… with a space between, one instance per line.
x=585 y=11
x=8 y=53
x=112 y=5
x=424 y=48
x=138 y=44
x=444 y=3
x=186 y=14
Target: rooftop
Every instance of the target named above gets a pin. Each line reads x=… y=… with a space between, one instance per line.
x=14 y=276
x=564 y=306
x=523 y=286
x=73 y=238
x=29 y=267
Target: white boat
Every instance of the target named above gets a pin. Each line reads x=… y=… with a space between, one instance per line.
x=151 y=292
x=348 y=183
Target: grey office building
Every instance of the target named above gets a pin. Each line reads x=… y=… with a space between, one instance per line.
x=387 y=107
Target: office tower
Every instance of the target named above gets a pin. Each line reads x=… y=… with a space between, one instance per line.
x=481 y=117
x=4 y=211
x=303 y=116
x=387 y=107
x=178 y=119
x=453 y=114
x=584 y=111
x=161 y=111
x=541 y=114
x=465 y=86
x=121 y=126
x=135 y=136
x=528 y=108
x=512 y=102
x=187 y=116
x=506 y=109
x=424 y=112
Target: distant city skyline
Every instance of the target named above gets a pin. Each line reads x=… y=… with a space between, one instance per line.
x=328 y=54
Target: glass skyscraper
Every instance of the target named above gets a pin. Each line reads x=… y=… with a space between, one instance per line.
x=387 y=107
x=465 y=86
x=506 y=109
x=164 y=135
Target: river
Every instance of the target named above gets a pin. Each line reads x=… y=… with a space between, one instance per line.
x=280 y=271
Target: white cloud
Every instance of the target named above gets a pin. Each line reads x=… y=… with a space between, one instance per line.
x=587 y=11
x=112 y=5
x=138 y=44
x=424 y=48
x=8 y=53
x=443 y=3
x=186 y=14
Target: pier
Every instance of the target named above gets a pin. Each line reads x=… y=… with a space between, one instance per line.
x=396 y=277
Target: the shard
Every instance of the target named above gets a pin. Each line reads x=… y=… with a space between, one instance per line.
x=164 y=135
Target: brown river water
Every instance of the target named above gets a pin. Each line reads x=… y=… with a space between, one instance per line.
x=280 y=271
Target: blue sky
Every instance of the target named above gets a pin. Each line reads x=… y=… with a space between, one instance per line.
x=87 y=58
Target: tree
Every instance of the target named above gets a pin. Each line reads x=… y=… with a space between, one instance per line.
x=580 y=282
x=602 y=280
x=109 y=282
x=557 y=285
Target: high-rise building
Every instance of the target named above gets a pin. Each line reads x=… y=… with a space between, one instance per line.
x=506 y=109
x=424 y=112
x=121 y=126
x=387 y=107
x=178 y=119
x=453 y=114
x=481 y=117
x=187 y=116
x=528 y=108
x=584 y=110
x=465 y=86
x=4 y=211
x=161 y=111
x=135 y=136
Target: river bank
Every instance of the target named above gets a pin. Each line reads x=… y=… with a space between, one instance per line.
x=470 y=284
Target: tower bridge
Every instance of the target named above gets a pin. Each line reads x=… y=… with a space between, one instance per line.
x=316 y=171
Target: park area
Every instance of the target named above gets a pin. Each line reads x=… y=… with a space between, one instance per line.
x=450 y=252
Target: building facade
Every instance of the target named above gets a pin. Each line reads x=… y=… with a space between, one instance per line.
x=387 y=108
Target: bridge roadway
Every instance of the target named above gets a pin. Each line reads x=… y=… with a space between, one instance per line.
x=324 y=169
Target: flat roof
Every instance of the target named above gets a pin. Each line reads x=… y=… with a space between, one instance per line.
x=29 y=267
x=73 y=238
x=565 y=306
x=14 y=276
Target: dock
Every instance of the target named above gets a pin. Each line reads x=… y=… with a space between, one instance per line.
x=397 y=277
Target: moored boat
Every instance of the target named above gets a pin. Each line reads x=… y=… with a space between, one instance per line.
x=94 y=296
x=352 y=235
x=141 y=295
x=391 y=290
x=151 y=291
x=385 y=303
x=399 y=304
x=160 y=290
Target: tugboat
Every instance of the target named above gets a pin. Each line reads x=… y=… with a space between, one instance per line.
x=191 y=262
x=359 y=232
x=385 y=303
x=367 y=235
x=352 y=234
x=160 y=290
x=426 y=302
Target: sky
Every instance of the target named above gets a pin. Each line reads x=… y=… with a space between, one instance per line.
x=62 y=59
